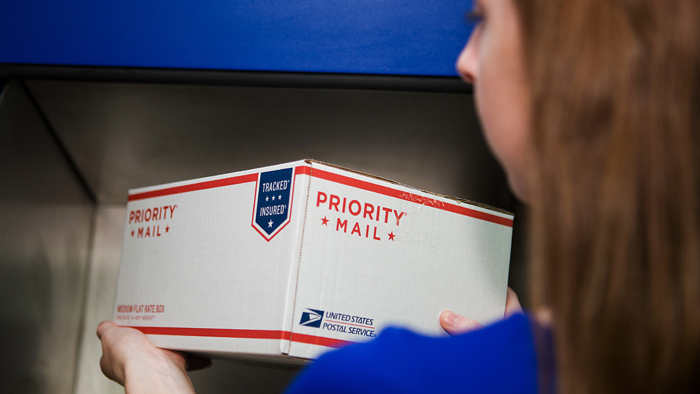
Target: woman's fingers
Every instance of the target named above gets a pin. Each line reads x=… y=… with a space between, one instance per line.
x=103 y=327
x=127 y=351
x=110 y=362
x=455 y=324
x=121 y=343
x=512 y=304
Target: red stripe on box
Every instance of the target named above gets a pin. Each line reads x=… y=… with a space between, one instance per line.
x=322 y=341
x=195 y=186
x=246 y=334
x=337 y=178
x=302 y=170
x=387 y=191
x=214 y=332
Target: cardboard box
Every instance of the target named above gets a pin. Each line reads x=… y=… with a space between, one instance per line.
x=291 y=260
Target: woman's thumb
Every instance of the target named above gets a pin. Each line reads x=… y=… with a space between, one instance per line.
x=455 y=324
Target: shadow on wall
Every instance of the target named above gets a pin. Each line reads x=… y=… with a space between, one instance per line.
x=45 y=218
x=123 y=136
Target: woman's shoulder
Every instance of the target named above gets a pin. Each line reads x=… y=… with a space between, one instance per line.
x=498 y=358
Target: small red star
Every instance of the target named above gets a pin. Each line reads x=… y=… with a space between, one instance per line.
x=132 y=233
x=391 y=236
x=325 y=221
x=167 y=228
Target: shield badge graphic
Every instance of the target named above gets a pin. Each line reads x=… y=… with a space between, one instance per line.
x=273 y=202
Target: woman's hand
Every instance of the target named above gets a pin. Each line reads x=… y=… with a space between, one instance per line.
x=130 y=359
x=455 y=324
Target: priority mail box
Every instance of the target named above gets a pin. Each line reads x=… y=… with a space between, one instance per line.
x=291 y=260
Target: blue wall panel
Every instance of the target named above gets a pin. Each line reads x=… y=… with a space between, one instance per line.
x=398 y=37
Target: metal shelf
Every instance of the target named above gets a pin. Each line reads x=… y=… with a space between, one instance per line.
x=235 y=78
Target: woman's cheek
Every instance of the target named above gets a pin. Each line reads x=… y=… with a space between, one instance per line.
x=489 y=110
x=502 y=101
x=501 y=107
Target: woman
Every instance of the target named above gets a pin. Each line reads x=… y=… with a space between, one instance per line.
x=593 y=109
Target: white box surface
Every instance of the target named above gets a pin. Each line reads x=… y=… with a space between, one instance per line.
x=288 y=261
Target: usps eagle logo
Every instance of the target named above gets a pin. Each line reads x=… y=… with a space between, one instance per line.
x=311 y=318
x=273 y=202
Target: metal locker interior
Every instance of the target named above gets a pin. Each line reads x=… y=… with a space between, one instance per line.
x=70 y=150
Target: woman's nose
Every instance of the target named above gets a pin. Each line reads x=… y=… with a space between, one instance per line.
x=467 y=63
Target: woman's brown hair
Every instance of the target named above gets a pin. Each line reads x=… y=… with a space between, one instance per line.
x=615 y=231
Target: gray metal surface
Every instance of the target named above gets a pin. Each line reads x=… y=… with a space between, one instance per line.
x=128 y=135
x=45 y=219
x=101 y=290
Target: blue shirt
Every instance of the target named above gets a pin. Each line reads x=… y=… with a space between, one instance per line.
x=496 y=359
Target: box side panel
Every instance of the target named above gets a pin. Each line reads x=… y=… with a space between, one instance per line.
x=361 y=272
x=219 y=347
x=195 y=262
